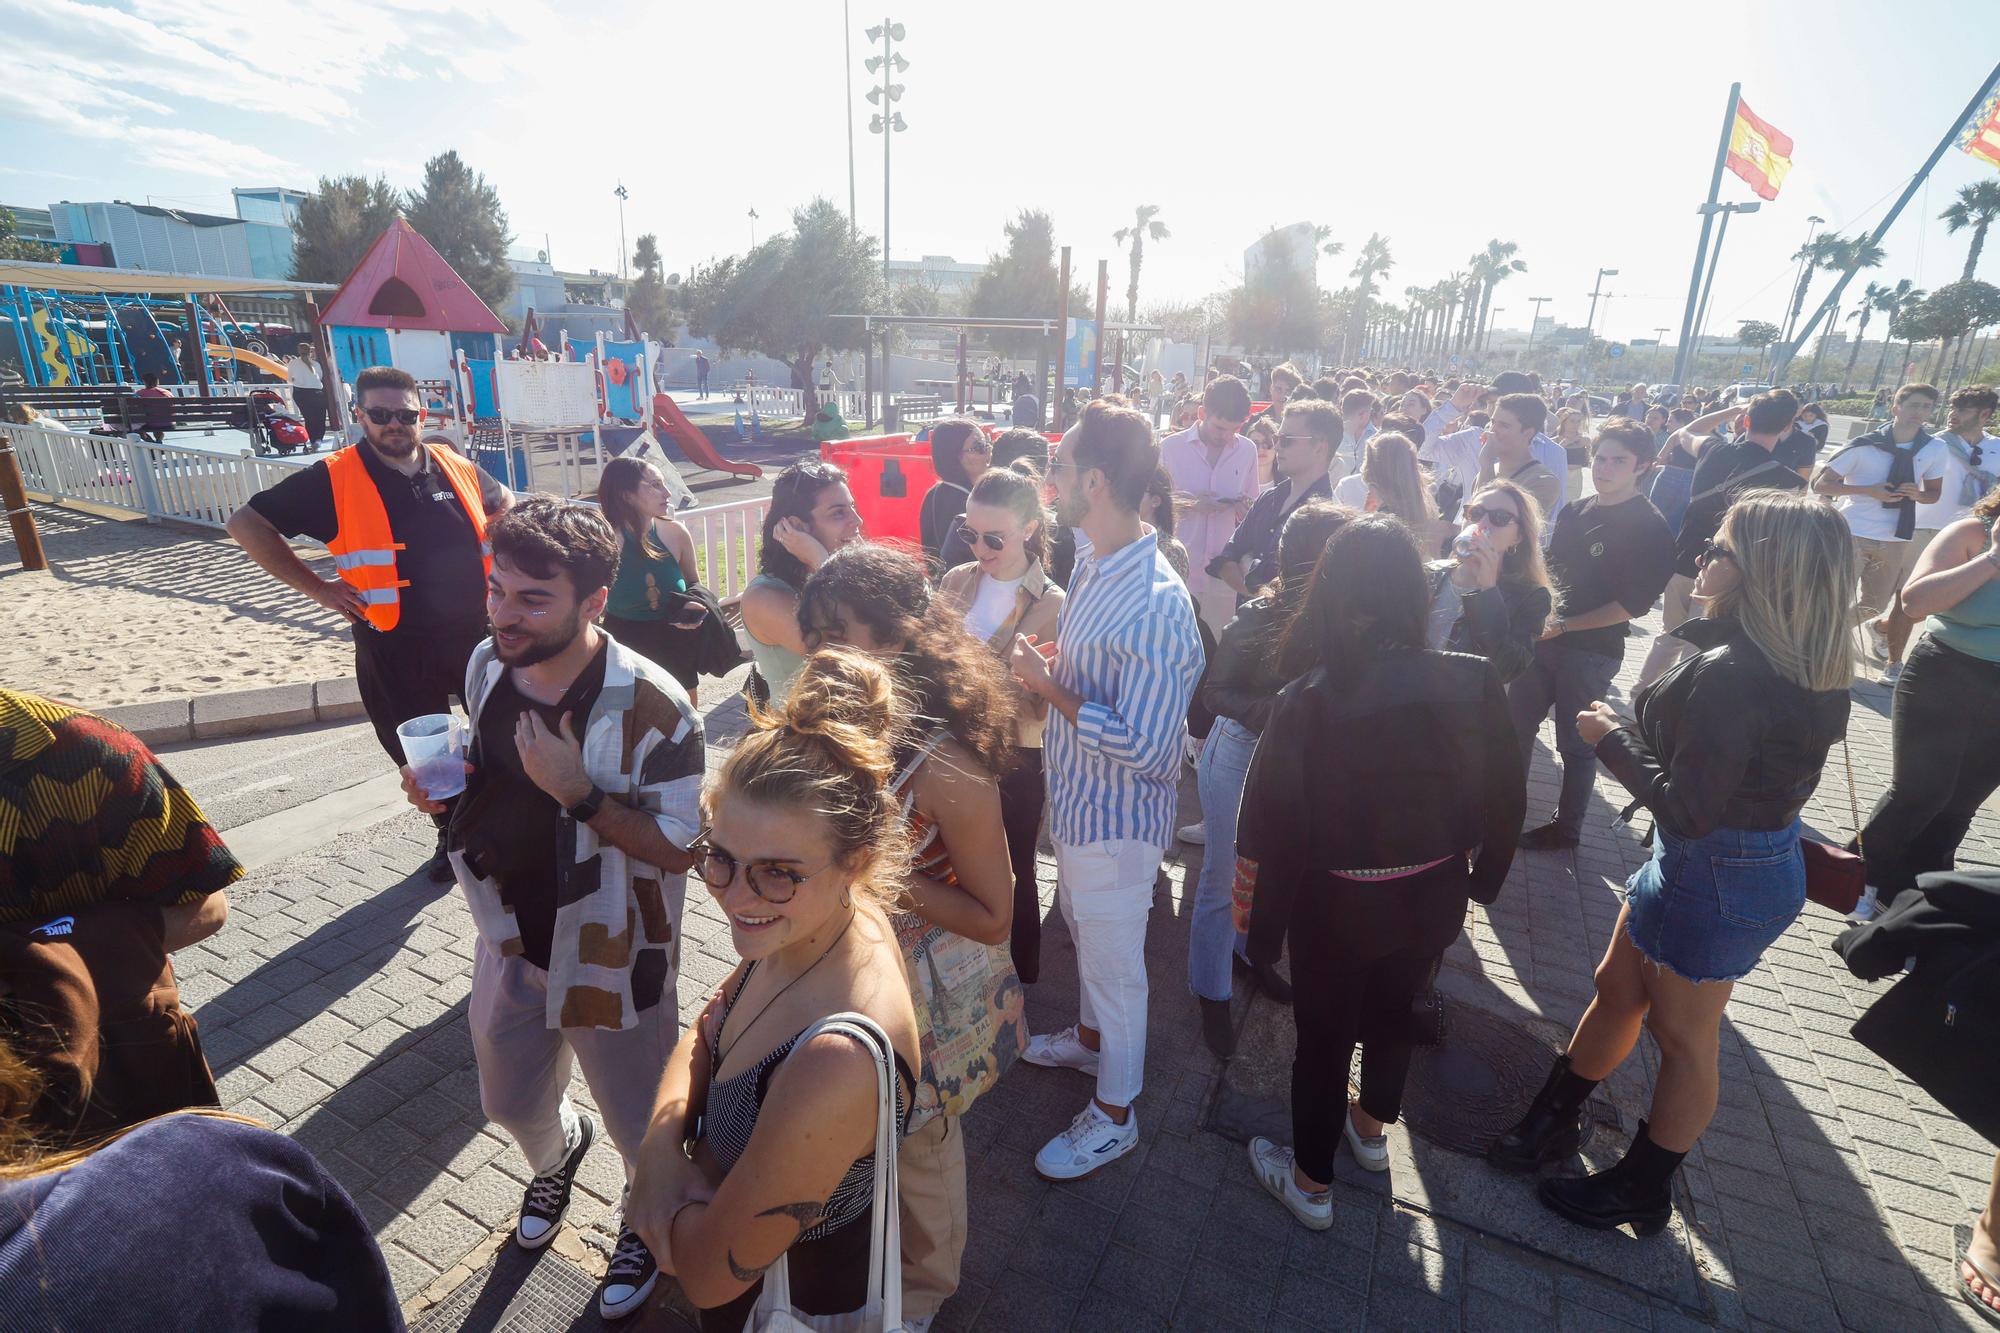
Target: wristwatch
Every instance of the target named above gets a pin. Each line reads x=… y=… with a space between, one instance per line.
x=586 y=809
x=1561 y=626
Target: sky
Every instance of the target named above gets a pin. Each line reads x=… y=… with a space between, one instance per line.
x=1584 y=132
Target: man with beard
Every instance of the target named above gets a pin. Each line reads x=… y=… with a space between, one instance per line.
x=406 y=524
x=1117 y=681
x=582 y=790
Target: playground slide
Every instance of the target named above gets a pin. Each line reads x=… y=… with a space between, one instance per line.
x=250 y=358
x=669 y=423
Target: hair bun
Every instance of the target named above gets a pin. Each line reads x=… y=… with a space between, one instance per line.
x=847 y=702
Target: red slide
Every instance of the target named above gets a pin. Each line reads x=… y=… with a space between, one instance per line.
x=670 y=424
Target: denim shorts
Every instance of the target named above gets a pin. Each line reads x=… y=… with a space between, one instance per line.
x=1707 y=908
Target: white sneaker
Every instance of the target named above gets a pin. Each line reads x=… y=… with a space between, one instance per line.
x=1060 y=1050
x=1876 y=641
x=1193 y=750
x=1272 y=1165
x=1371 y=1152
x=1195 y=835
x=1892 y=673
x=1092 y=1140
x=1868 y=907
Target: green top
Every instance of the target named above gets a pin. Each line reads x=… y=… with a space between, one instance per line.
x=778 y=666
x=1973 y=626
x=638 y=593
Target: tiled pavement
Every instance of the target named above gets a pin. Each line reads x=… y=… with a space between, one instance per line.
x=333 y=1005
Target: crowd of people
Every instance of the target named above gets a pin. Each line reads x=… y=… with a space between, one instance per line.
x=1350 y=607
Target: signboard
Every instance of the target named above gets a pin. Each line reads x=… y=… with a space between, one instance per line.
x=1617 y=350
x=552 y=395
x=1749 y=367
x=1079 y=353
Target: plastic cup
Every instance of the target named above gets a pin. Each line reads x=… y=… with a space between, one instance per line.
x=434 y=745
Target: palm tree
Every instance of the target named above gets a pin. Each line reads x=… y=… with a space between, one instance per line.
x=1145 y=226
x=1814 y=252
x=1373 y=261
x=1496 y=265
x=1844 y=256
x=1892 y=301
x=1871 y=301
x=1977 y=207
x=1327 y=247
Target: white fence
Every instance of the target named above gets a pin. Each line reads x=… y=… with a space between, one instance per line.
x=162 y=481
x=775 y=402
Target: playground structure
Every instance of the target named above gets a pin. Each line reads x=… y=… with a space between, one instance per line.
x=404 y=306
x=57 y=337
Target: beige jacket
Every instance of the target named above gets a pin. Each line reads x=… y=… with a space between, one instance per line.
x=1037 y=606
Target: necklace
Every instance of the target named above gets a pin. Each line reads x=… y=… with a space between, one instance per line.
x=722 y=1054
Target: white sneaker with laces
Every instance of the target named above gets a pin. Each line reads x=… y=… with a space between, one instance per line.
x=1876 y=642
x=1194 y=835
x=1869 y=906
x=1060 y=1050
x=1371 y=1152
x=1272 y=1165
x=1092 y=1140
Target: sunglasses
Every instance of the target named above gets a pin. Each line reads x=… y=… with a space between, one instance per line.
x=775 y=884
x=382 y=416
x=1712 y=551
x=1294 y=439
x=992 y=541
x=1500 y=518
x=978 y=445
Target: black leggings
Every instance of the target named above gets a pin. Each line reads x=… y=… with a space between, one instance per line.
x=1361 y=953
x=1022 y=797
x=1946 y=737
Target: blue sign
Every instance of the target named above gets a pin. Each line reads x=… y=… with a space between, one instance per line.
x=1080 y=353
x=1617 y=350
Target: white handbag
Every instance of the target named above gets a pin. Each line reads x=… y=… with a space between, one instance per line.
x=883 y=1310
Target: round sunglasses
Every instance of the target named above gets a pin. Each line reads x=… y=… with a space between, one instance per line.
x=1500 y=518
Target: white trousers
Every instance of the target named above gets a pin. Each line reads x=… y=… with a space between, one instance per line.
x=1105 y=890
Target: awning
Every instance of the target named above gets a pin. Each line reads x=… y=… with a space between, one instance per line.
x=134 y=281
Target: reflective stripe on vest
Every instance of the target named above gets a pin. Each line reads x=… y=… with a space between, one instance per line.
x=364 y=549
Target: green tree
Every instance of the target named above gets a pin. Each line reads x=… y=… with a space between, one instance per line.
x=1977 y=207
x=1891 y=301
x=1871 y=302
x=21 y=247
x=1145 y=226
x=1373 y=262
x=337 y=223
x=651 y=301
x=1024 y=283
x=1183 y=321
x=1493 y=265
x=460 y=215
x=1759 y=334
x=790 y=298
x=1843 y=255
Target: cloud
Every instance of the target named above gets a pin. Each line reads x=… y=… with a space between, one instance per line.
x=75 y=107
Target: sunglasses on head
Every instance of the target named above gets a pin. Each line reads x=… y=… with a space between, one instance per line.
x=1500 y=518
x=382 y=416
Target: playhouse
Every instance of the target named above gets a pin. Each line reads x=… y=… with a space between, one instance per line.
x=404 y=306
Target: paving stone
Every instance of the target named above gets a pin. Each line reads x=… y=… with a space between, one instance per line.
x=1138 y=1282
x=1391 y=1305
x=1306 y=1302
x=1491 y=1271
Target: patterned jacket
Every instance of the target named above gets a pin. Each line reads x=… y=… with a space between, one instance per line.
x=617 y=931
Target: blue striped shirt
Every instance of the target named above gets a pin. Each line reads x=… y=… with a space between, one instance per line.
x=1127 y=644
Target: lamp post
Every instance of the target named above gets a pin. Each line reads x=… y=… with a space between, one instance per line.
x=888 y=32
x=1660 y=338
x=1538 y=302
x=1590 y=324
x=623 y=195
x=1813 y=222
x=847 y=63
x=753 y=229
x=1714 y=262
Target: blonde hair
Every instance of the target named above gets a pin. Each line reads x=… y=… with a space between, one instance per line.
x=1389 y=466
x=1795 y=596
x=830 y=752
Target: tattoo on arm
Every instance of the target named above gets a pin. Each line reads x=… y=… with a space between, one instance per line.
x=805 y=1213
x=742 y=1274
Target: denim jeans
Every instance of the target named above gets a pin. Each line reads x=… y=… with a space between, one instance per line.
x=1564 y=681
x=1225 y=764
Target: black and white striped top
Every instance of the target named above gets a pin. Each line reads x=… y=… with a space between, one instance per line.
x=730 y=1115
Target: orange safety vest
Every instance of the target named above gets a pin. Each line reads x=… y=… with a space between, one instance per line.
x=364 y=550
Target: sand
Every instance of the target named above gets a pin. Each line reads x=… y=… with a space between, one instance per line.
x=132 y=612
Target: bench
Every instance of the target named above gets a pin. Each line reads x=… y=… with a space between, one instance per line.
x=120 y=407
x=911 y=407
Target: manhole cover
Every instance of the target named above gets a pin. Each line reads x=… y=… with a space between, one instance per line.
x=520 y=1292
x=1467 y=1091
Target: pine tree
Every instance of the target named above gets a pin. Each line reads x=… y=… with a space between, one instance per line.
x=460 y=215
x=337 y=223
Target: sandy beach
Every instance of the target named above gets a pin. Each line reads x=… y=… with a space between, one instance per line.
x=131 y=612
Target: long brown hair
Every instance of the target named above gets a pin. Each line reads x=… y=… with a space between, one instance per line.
x=1368 y=596
x=1390 y=469
x=617 y=496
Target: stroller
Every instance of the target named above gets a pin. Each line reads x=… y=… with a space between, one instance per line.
x=280 y=426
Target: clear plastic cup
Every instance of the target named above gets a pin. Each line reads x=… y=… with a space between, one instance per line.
x=434 y=745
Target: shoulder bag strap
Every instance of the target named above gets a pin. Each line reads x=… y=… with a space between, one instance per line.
x=1737 y=480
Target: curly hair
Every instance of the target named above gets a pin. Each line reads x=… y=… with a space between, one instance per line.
x=793 y=495
x=951 y=677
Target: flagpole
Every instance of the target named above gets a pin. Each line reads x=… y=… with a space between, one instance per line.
x=1909 y=192
x=1682 y=353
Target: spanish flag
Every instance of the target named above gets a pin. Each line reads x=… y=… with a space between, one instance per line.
x=1759 y=153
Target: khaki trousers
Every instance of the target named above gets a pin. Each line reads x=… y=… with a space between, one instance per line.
x=931 y=1182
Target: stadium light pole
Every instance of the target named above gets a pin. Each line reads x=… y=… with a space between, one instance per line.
x=623 y=195
x=888 y=32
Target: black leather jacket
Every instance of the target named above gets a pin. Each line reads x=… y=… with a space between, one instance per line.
x=1242 y=682
x=1501 y=624
x=1724 y=741
x=1412 y=760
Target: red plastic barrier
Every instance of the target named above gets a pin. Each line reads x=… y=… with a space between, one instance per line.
x=889 y=475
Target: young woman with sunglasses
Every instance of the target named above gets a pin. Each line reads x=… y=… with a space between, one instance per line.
x=1727 y=748
x=812 y=514
x=1002 y=592
x=1492 y=597
x=959 y=881
x=759 y=1150
x=961 y=453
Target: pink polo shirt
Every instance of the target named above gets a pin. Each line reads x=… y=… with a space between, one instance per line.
x=1232 y=476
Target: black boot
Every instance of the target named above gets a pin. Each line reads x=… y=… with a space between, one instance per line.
x=1217 y=1028
x=1637 y=1191
x=438 y=869
x=1553 y=1128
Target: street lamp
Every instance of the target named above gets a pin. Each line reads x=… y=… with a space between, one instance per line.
x=888 y=32
x=1590 y=324
x=623 y=195
x=1813 y=221
x=1714 y=262
x=753 y=229
x=1538 y=302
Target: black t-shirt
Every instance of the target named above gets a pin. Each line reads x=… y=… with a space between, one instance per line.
x=1798 y=448
x=507 y=826
x=1724 y=472
x=1620 y=553
x=440 y=555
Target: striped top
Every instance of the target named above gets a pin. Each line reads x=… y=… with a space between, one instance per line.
x=1127 y=643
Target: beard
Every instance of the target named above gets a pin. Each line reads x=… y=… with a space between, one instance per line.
x=392 y=441
x=1070 y=510
x=540 y=647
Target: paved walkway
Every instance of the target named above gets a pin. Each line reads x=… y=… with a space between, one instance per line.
x=333 y=1005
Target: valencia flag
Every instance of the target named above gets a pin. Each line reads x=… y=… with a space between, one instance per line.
x=1758 y=152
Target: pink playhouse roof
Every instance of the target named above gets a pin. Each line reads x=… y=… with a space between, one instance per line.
x=402 y=283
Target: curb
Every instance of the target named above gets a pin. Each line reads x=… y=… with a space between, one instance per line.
x=203 y=717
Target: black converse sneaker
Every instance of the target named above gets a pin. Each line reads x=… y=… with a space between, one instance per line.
x=542 y=1207
x=630 y=1278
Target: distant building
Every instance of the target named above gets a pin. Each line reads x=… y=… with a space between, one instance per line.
x=32 y=224
x=537 y=287
x=941 y=273
x=255 y=244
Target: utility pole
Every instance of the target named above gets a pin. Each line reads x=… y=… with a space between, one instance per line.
x=1538 y=302
x=847 y=54
x=1055 y=414
x=623 y=195
x=1097 y=361
x=1715 y=262
x=1590 y=324
x=1813 y=223
x=1660 y=341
